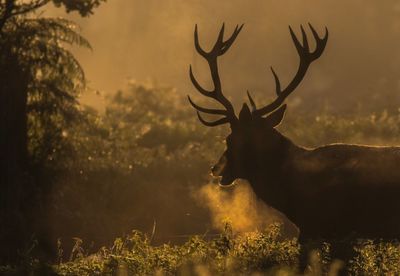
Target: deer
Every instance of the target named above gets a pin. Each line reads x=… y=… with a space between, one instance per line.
x=334 y=191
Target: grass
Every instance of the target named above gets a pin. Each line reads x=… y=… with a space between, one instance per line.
x=254 y=253
x=109 y=159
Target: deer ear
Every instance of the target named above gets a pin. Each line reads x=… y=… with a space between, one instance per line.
x=276 y=117
x=245 y=114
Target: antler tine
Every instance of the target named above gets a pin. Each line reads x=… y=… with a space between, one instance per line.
x=296 y=41
x=306 y=47
x=277 y=82
x=220 y=41
x=252 y=103
x=306 y=58
x=228 y=43
x=221 y=121
x=321 y=42
x=196 y=84
x=197 y=44
x=220 y=46
x=207 y=110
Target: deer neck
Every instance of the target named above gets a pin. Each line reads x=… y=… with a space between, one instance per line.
x=271 y=179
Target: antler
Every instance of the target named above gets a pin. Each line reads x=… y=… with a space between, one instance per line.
x=306 y=58
x=220 y=48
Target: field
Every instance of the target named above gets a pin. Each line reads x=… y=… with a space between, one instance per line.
x=100 y=154
x=103 y=174
x=253 y=253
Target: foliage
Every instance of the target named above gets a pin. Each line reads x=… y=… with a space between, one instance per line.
x=261 y=251
x=56 y=80
x=14 y=8
x=146 y=134
x=39 y=84
x=228 y=254
x=144 y=158
x=34 y=50
x=121 y=168
x=376 y=258
x=142 y=161
x=378 y=128
x=84 y=7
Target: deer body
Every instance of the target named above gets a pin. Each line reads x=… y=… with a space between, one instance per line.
x=333 y=191
x=336 y=190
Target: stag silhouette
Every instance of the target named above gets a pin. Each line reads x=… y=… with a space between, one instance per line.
x=333 y=191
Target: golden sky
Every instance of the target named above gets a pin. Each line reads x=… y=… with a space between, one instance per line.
x=153 y=39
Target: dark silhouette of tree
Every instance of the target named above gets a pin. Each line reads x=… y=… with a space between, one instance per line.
x=40 y=78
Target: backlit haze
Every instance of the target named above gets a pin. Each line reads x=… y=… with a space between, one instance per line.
x=153 y=41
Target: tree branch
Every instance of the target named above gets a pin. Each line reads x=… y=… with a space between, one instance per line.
x=26 y=8
x=9 y=7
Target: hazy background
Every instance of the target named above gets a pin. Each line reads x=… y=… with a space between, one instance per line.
x=153 y=40
x=147 y=158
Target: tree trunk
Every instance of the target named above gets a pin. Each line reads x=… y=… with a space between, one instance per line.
x=14 y=154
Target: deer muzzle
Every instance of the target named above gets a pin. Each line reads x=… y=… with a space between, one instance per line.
x=219 y=167
x=220 y=170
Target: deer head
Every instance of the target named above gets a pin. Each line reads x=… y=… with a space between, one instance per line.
x=253 y=144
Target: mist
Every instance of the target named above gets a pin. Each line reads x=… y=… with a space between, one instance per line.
x=239 y=207
x=104 y=158
x=153 y=40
